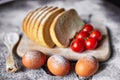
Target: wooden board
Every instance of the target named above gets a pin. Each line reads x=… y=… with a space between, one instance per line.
x=102 y=52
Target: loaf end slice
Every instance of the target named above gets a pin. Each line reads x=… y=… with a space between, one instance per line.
x=64 y=27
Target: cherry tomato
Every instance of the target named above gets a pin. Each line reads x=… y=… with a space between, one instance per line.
x=87 y=28
x=77 y=45
x=82 y=35
x=96 y=34
x=91 y=43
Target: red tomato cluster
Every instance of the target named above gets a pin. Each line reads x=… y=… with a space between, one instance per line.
x=87 y=38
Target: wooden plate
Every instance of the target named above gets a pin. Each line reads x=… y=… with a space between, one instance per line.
x=102 y=52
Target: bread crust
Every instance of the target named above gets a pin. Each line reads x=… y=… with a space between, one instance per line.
x=25 y=21
x=32 y=21
x=38 y=22
x=44 y=28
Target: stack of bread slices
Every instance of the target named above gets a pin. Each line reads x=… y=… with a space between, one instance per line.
x=50 y=26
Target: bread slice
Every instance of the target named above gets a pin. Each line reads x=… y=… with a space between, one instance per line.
x=37 y=22
x=26 y=19
x=44 y=27
x=64 y=27
x=32 y=19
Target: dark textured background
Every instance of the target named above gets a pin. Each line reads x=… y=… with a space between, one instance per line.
x=101 y=11
x=115 y=2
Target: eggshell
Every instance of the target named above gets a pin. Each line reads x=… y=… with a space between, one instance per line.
x=33 y=59
x=87 y=66
x=58 y=65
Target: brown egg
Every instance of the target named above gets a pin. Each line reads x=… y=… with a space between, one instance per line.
x=58 y=65
x=87 y=66
x=33 y=59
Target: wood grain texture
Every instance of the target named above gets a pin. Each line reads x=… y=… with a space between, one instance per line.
x=102 y=52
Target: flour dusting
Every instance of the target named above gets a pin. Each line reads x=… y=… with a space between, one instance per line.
x=58 y=60
x=90 y=58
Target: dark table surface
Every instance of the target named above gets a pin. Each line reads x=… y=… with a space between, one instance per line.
x=101 y=11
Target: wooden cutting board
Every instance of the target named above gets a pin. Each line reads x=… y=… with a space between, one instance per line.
x=102 y=52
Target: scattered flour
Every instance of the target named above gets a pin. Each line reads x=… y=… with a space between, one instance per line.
x=33 y=54
x=58 y=60
x=90 y=58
